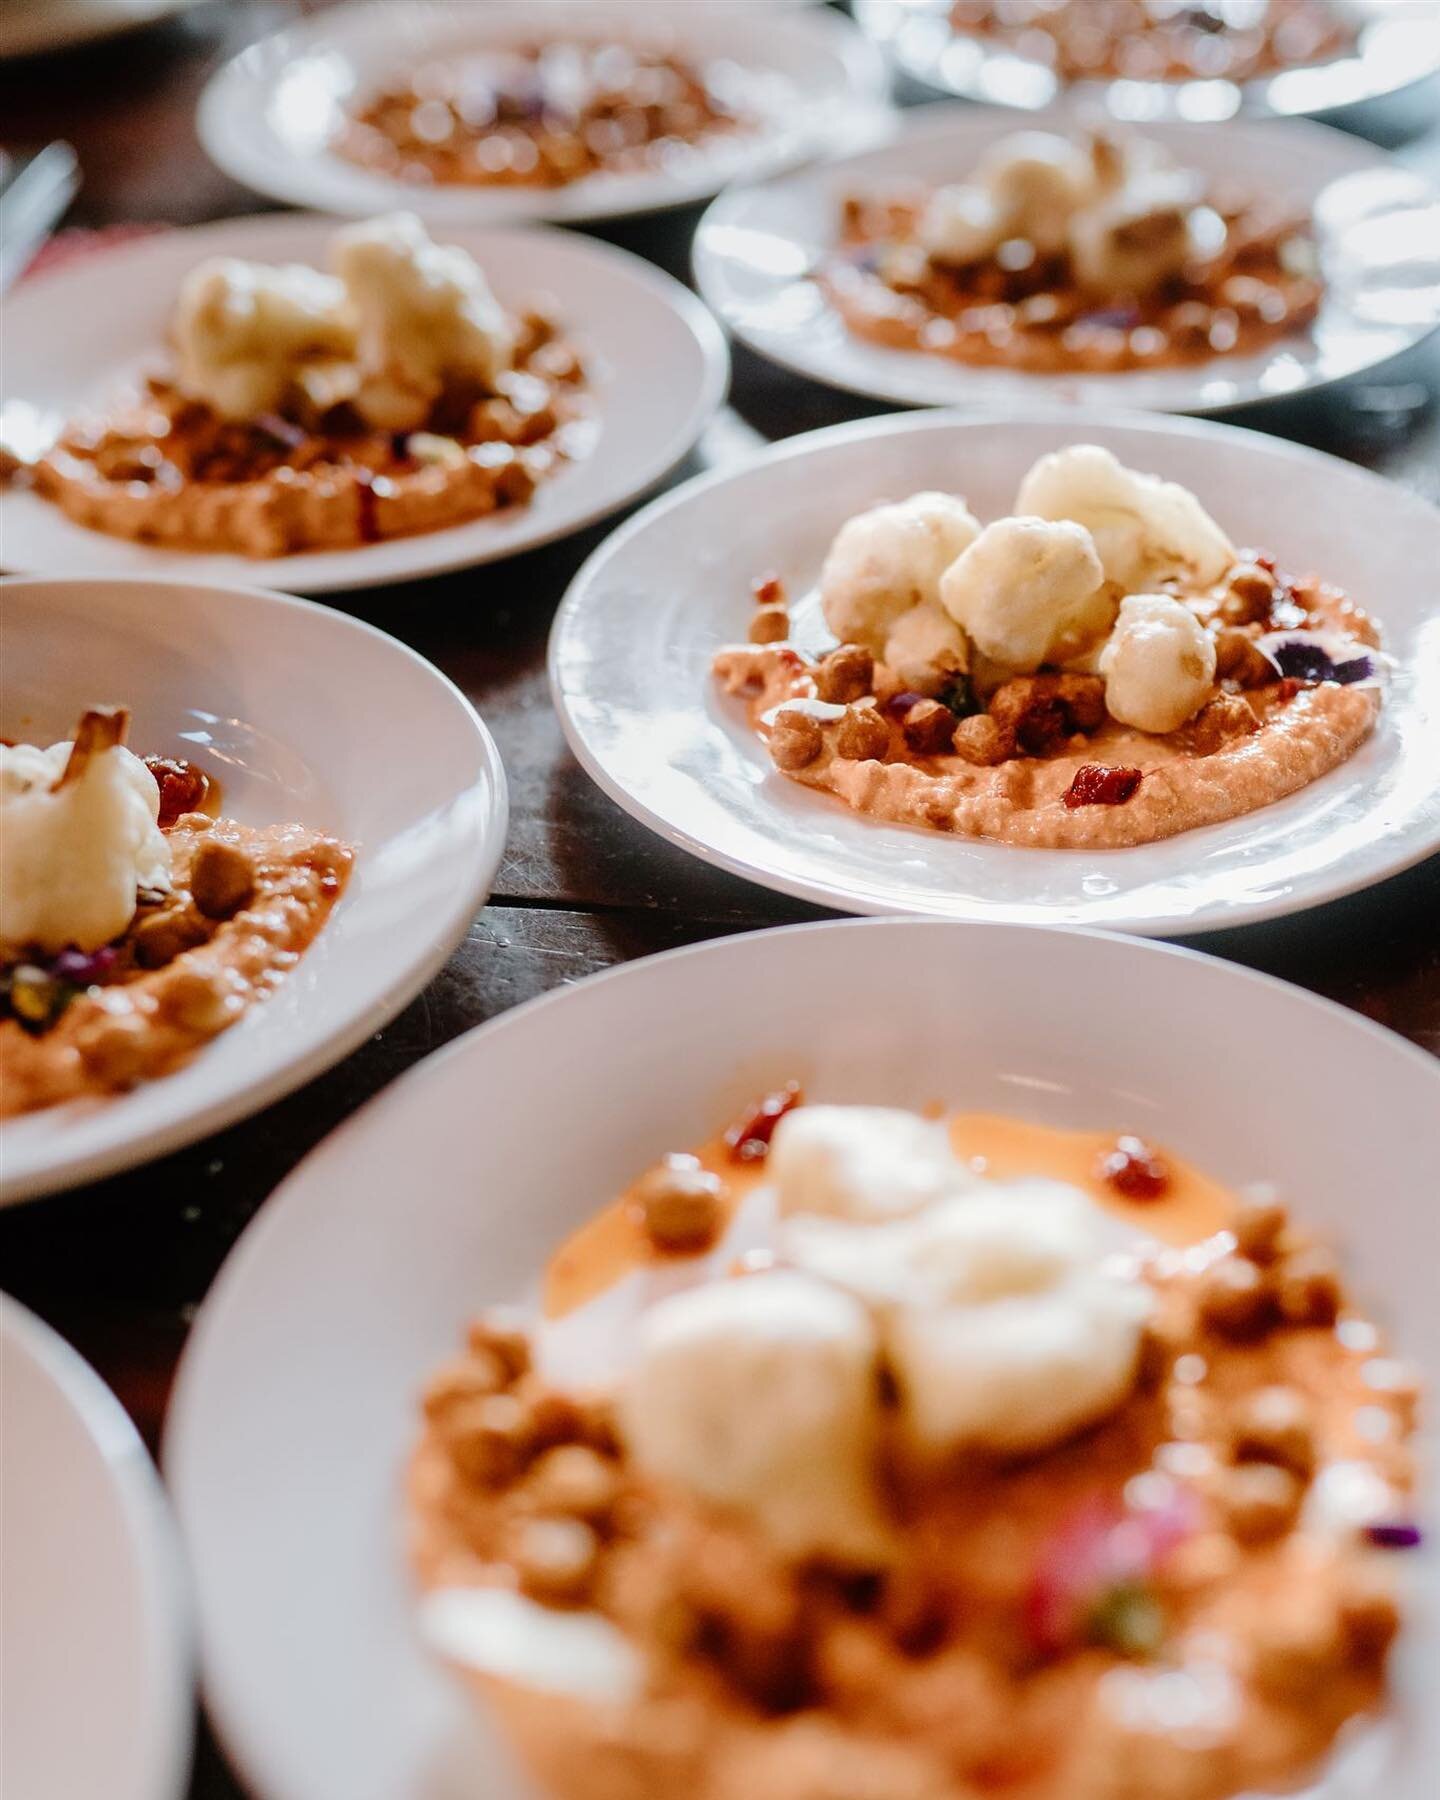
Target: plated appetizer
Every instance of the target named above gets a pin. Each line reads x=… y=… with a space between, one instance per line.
x=859 y=1451
x=1062 y=255
x=298 y=410
x=1160 y=40
x=135 y=923
x=1103 y=668
x=542 y=115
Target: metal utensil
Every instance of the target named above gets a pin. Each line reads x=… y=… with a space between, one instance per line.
x=32 y=202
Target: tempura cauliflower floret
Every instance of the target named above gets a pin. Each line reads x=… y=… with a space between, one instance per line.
x=1146 y=232
x=1145 y=530
x=884 y=565
x=425 y=316
x=960 y=224
x=1038 y=182
x=1028 y=185
x=759 y=1394
x=1159 y=665
x=245 y=333
x=81 y=837
x=1001 y=1322
x=1028 y=591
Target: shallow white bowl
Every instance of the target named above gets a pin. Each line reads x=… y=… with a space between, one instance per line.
x=296 y=1401
x=1398 y=47
x=95 y=1633
x=657 y=371
x=1378 y=228
x=632 y=645
x=303 y=714
x=268 y=117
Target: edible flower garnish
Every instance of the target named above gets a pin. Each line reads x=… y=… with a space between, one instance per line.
x=1395 y=1534
x=1093 y=1582
x=1319 y=656
x=36 y=994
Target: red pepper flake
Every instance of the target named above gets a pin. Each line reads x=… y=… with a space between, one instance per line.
x=1096 y=784
x=769 y=590
x=1133 y=1169
x=1288 y=687
x=183 y=787
x=748 y=1139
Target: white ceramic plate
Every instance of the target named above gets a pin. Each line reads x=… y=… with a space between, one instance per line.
x=1378 y=227
x=268 y=117
x=632 y=645
x=296 y=1399
x=657 y=361
x=94 y=1622
x=305 y=715
x=1398 y=46
x=29 y=27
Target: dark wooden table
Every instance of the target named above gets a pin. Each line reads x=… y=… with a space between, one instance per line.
x=120 y=1267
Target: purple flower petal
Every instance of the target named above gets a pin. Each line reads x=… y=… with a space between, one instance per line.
x=1395 y=1534
x=1319 y=656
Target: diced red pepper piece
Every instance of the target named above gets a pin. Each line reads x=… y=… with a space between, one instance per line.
x=1097 y=784
x=1133 y=1169
x=183 y=787
x=748 y=1139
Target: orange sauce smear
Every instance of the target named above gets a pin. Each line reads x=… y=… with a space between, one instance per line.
x=1193 y=1207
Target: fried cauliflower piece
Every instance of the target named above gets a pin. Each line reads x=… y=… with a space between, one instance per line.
x=246 y=333
x=1159 y=665
x=1149 y=230
x=425 y=318
x=884 y=565
x=1028 y=185
x=1145 y=530
x=1028 y=591
x=759 y=1394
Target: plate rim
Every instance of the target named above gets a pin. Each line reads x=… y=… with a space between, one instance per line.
x=711 y=345
x=180 y=1444
x=836 y=894
x=151 y=1530
x=883 y=20
x=930 y=122
x=866 y=66
x=289 y=1073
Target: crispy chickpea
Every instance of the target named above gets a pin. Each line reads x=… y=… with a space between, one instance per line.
x=1259 y=1226
x=845 y=674
x=555 y=1416
x=555 y=1559
x=1236 y=1298
x=983 y=741
x=680 y=1205
x=769 y=625
x=489 y=1439
x=1369 y=1613
x=463 y=1378
x=115 y=1050
x=1221 y=722
x=502 y=1334
x=1239 y=658
x=795 y=740
x=573 y=1480
x=1260 y=1501
x=928 y=727
x=1251 y=591
x=200 y=1000
x=862 y=735
x=161 y=936
x=1308 y=1287
x=1275 y=1425
x=222 y=879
